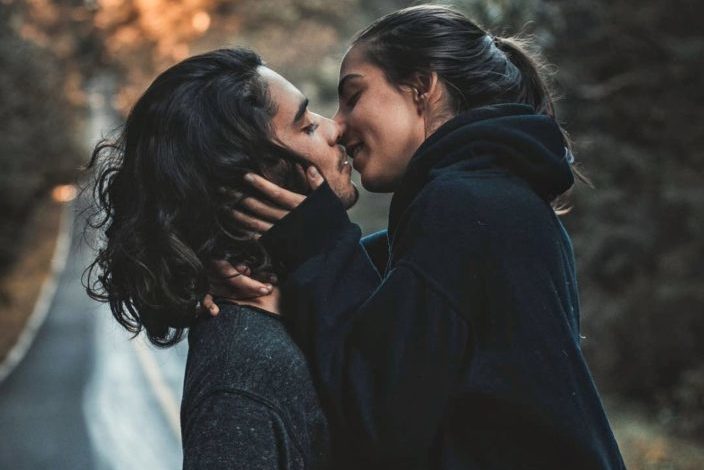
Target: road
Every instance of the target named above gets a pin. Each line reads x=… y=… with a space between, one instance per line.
x=86 y=396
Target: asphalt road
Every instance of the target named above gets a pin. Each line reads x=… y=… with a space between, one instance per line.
x=85 y=396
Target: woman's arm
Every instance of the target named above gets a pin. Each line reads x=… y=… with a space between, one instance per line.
x=385 y=352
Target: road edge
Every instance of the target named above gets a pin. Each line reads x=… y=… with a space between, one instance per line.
x=45 y=297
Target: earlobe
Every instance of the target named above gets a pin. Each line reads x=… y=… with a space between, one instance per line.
x=417 y=95
x=426 y=86
x=420 y=100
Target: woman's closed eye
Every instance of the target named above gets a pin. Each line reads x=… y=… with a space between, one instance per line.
x=352 y=100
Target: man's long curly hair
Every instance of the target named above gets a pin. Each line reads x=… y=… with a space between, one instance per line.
x=165 y=188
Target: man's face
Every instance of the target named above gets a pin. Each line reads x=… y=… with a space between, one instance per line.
x=310 y=135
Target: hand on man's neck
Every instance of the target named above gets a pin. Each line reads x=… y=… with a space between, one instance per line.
x=269 y=302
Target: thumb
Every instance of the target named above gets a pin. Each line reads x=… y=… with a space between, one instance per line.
x=315 y=179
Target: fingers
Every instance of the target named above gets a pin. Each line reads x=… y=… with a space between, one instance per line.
x=262 y=209
x=315 y=179
x=209 y=305
x=225 y=270
x=278 y=195
x=241 y=288
x=243 y=269
x=235 y=283
x=258 y=226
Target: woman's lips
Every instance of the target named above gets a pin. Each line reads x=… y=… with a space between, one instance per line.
x=353 y=150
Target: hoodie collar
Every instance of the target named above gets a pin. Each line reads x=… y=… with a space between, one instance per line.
x=507 y=136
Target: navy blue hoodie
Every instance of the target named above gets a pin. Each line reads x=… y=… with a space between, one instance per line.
x=463 y=353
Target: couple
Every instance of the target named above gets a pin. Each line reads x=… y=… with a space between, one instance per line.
x=451 y=341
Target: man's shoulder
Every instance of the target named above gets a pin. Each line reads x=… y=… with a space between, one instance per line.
x=245 y=343
x=244 y=359
x=248 y=350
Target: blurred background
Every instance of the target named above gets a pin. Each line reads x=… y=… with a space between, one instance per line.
x=631 y=79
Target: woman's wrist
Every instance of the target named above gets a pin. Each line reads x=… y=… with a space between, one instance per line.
x=308 y=229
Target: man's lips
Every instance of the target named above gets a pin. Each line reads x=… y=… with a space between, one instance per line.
x=343 y=160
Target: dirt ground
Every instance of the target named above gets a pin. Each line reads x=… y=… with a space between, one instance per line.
x=646 y=444
x=20 y=287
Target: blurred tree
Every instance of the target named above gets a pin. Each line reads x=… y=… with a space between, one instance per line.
x=37 y=128
x=632 y=74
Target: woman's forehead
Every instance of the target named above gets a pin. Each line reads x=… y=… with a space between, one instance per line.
x=353 y=59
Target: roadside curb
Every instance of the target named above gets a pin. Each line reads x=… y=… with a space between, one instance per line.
x=46 y=295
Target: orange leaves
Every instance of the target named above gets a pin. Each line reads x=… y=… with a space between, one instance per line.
x=169 y=26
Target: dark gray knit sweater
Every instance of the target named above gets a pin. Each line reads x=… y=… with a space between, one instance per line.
x=248 y=400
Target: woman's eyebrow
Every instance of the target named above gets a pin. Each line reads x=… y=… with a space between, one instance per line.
x=344 y=80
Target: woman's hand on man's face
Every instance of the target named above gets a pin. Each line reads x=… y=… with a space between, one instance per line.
x=259 y=215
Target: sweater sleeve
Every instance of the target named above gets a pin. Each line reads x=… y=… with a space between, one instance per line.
x=385 y=352
x=233 y=430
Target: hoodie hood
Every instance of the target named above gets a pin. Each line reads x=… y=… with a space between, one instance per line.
x=507 y=136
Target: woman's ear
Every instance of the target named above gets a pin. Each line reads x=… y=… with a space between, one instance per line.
x=430 y=98
x=427 y=91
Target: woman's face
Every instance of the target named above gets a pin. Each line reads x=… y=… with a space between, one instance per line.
x=382 y=124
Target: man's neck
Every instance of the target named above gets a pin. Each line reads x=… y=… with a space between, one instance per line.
x=270 y=302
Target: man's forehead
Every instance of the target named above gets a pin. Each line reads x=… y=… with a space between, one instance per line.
x=284 y=94
x=276 y=82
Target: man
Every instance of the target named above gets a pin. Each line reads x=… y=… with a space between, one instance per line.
x=165 y=191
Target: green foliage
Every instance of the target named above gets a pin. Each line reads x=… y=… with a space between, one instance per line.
x=36 y=144
x=632 y=77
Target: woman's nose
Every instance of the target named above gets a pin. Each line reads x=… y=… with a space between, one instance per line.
x=340 y=124
x=335 y=131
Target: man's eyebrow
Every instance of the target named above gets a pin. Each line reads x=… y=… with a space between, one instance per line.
x=345 y=79
x=301 y=110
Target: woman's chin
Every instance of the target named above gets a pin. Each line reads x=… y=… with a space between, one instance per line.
x=375 y=183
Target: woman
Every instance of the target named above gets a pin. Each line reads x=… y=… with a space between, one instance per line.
x=465 y=354
x=164 y=191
